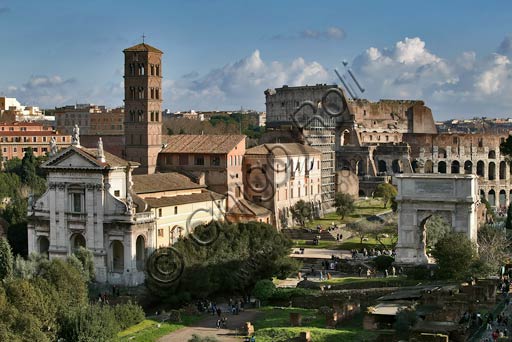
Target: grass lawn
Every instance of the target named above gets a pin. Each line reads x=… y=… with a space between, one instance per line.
x=149 y=331
x=402 y=281
x=273 y=326
x=321 y=244
x=364 y=208
x=355 y=243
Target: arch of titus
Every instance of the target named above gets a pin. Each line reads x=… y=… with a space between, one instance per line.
x=454 y=197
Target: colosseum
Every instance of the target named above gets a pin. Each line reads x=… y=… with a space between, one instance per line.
x=372 y=141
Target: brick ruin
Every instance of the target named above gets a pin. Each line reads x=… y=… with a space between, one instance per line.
x=372 y=141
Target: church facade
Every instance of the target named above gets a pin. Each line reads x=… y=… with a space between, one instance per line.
x=89 y=203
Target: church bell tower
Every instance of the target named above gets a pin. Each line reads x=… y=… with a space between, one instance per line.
x=143 y=106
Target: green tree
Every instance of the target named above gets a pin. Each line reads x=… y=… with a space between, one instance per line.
x=87 y=260
x=89 y=323
x=405 y=319
x=493 y=250
x=264 y=289
x=6 y=260
x=362 y=229
x=436 y=228
x=386 y=191
x=508 y=222
x=302 y=212
x=454 y=254
x=344 y=204
x=238 y=256
x=128 y=314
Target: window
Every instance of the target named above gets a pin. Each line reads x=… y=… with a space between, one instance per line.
x=175 y=210
x=159 y=212
x=291 y=193
x=76 y=202
x=183 y=159
x=15 y=149
x=160 y=232
x=215 y=160
x=199 y=160
x=157 y=70
x=117 y=193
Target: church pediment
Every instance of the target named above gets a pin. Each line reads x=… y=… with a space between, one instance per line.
x=73 y=158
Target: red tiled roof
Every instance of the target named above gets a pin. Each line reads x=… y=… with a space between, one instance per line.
x=157 y=182
x=215 y=144
x=143 y=47
x=204 y=196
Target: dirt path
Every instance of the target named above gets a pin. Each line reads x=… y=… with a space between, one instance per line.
x=207 y=327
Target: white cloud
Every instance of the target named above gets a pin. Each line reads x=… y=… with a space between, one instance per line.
x=463 y=86
x=241 y=83
x=44 y=91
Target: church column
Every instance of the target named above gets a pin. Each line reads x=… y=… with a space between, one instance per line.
x=100 y=260
x=53 y=217
x=89 y=223
x=63 y=242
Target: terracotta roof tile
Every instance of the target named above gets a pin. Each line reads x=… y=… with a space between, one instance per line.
x=157 y=182
x=204 y=196
x=143 y=47
x=216 y=144
x=245 y=207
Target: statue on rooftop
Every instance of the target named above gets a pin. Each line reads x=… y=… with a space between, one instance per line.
x=53 y=146
x=76 y=136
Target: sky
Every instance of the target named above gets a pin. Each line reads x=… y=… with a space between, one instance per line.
x=222 y=55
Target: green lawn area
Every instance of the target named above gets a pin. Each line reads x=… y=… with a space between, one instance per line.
x=321 y=244
x=364 y=208
x=273 y=326
x=348 y=244
x=402 y=281
x=355 y=243
x=149 y=331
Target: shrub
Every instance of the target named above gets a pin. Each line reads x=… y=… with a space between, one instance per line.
x=89 y=323
x=264 y=289
x=128 y=314
x=383 y=262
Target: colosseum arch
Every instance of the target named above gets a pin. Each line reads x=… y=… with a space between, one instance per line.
x=455 y=167
x=454 y=197
x=468 y=167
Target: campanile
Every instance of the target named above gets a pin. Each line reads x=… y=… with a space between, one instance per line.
x=143 y=106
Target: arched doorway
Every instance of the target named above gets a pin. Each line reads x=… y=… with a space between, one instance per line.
x=503 y=169
x=480 y=168
x=383 y=166
x=361 y=169
x=455 y=167
x=396 y=166
x=140 y=252
x=441 y=167
x=492 y=198
x=415 y=167
x=503 y=199
x=77 y=240
x=345 y=137
x=468 y=167
x=492 y=171
x=435 y=226
x=117 y=252
x=44 y=245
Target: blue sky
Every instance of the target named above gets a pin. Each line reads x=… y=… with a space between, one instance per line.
x=224 y=54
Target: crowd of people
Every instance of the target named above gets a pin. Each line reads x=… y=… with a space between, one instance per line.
x=370 y=253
